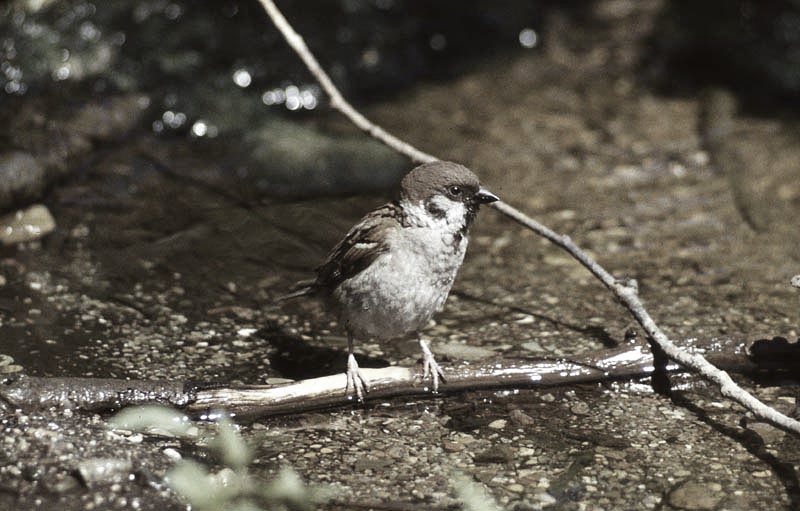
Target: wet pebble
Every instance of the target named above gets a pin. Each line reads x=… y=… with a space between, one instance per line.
x=7 y=365
x=94 y=471
x=694 y=495
x=26 y=225
x=61 y=482
x=495 y=454
x=371 y=463
x=520 y=418
x=498 y=424
x=452 y=446
x=10 y=368
x=580 y=408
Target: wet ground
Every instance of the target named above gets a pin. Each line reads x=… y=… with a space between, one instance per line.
x=164 y=265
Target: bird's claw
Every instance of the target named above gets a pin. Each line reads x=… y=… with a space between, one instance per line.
x=355 y=379
x=430 y=368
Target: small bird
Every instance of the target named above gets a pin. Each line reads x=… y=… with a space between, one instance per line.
x=394 y=269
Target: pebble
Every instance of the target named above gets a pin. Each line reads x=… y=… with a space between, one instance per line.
x=104 y=470
x=548 y=398
x=580 y=408
x=520 y=418
x=532 y=346
x=452 y=446
x=496 y=454
x=693 y=495
x=26 y=225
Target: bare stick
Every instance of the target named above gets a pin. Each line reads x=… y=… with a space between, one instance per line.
x=337 y=101
x=627 y=293
x=99 y=394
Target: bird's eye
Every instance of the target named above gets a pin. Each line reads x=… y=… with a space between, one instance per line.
x=454 y=191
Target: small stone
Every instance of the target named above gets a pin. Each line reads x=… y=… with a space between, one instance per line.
x=371 y=463
x=580 y=408
x=485 y=476
x=173 y=454
x=545 y=499
x=452 y=446
x=11 y=368
x=496 y=454
x=693 y=495
x=498 y=424
x=26 y=225
x=62 y=483
x=95 y=471
x=397 y=452
x=520 y=418
x=534 y=346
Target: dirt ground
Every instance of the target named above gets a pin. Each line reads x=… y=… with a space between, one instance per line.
x=155 y=275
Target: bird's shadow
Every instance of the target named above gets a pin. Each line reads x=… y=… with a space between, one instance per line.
x=292 y=357
x=595 y=332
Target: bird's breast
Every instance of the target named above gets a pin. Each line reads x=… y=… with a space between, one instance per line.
x=402 y=289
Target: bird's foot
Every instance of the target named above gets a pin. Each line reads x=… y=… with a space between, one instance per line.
x=355 y=379
x=430 y=369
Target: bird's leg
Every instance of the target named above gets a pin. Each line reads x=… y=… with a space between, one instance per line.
x=429 y=366
x=354 y=377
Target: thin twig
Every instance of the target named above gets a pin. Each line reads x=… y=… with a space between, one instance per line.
x=337 y=101
x=626 y=293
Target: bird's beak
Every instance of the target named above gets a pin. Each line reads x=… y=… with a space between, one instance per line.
x=484 y=196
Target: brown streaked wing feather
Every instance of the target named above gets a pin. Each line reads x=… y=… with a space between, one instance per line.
x=360 y=246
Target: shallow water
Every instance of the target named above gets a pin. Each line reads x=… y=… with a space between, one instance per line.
x=169 y=253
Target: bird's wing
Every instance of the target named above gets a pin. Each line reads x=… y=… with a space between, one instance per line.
x=360 y=246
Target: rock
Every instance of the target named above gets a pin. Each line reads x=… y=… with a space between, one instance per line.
x=496 y=454
x=94 y=471
x=26 y=225
x=520 y=418
x=694 y=495
x=498 y=424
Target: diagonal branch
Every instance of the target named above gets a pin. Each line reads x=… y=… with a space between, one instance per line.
x=337 y=100
x=625 y=292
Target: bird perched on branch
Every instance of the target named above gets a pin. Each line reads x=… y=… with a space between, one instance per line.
x=393 y=270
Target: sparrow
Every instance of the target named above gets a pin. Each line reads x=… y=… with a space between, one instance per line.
x=393 y=269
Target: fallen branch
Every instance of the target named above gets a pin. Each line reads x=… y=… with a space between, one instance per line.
x=199 y=399
x=626 y=293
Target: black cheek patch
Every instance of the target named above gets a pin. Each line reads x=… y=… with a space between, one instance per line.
x=457 y=239
x=434 y=210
